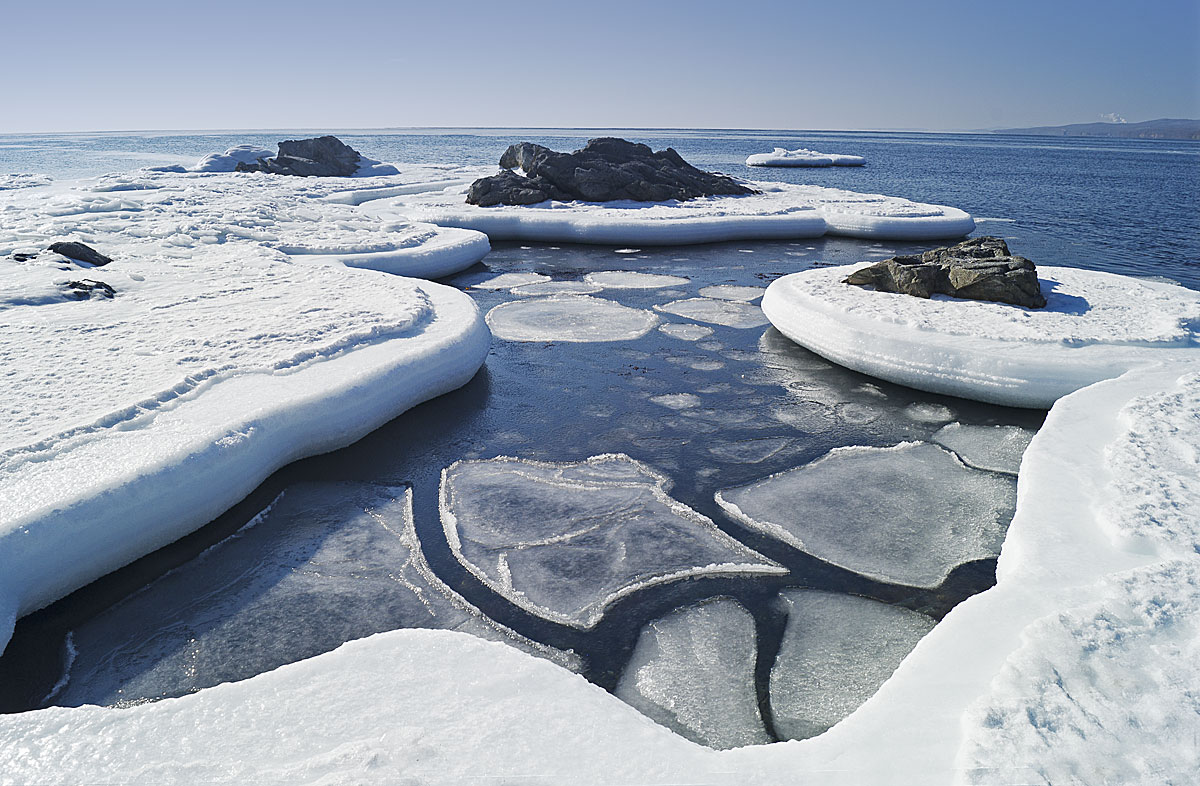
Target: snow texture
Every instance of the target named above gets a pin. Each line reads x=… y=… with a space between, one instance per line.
x=908 y=514
x=836 y=651
x=564 y=541
x=693 y=672
x=1096 y=326
x=574 y=318
x=129 y=422
x=717 y=312
x=325 y=563
x=802 y=157
x=1081 y=658
x=780 y=211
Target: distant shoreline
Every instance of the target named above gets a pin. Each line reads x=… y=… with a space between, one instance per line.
x=1164 y=128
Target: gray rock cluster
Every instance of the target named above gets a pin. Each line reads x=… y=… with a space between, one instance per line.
x=981 y=268
x=86 y=289
x=323 y=156
x=602 y=171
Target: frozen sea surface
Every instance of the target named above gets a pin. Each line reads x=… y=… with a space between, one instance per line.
x=569 y=318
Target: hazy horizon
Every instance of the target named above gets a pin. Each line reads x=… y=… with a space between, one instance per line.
x=865 y=65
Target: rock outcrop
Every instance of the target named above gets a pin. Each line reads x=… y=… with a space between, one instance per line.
x=323 y=156
x=981 y=268
x=604 y=170
x=87 y=289
x=80 y=253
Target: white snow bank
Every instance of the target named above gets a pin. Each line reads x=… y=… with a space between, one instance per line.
x=130 y=422
x=174 y=213
x=228 y=161
x=780 y=211
x=1075 y=666
x=1096 y=326
x=802 y=157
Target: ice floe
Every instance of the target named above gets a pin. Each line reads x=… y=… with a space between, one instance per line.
x=556 y=288
x=836 y=651
x=631 y=279
x=732 y=292
x=907 y=514
x=564 y=541
x=996 y=448
x=781 y=156
x=325 y=563
x=130 y=421
x=780 y=211
x=693 y=671
x=685 y=332
x=718 y=312
x=677 y=400
x=1096 y=326
x=576 y=318
x=510 y=281
x=988 y=695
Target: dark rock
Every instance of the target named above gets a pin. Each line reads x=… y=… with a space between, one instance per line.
x=80 y=253
x=23 y=256
x=87 y=288
x=323 y=156
x=981 y=268
x=602 y=171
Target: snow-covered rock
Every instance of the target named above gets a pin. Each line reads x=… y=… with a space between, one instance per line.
x=802 y=157
x=1096 y=326
x=128 y=422
x=779 y=211
x=228 y=161
x=564 y=541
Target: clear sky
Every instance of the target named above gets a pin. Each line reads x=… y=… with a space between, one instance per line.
x=852 y=64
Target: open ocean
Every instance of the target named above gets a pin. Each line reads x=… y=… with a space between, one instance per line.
x=756 y=404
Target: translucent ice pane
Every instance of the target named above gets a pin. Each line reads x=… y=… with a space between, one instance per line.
x=686 y=332
x=626 y=279
x=693 y=672
x=576 y=318
x=677 y=400
x=907 y=514
x=836 y=652
x=732 y=292
x=325 y=564
x=563 y=541
x=555 y=288
x=718 y=312
x=510 y=280
x=998 y=448
x=749 y=451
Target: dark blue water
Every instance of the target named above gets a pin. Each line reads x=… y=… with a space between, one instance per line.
x=1124 y=205
x=1127 y=206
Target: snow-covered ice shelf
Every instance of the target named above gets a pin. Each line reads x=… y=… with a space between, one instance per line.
x=780 y=211
x=564 y=541
x=781 y=156
x=131 y=421
x=1096 y=326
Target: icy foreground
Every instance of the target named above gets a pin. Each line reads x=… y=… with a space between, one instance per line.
x=1095 y=326
x=564 y=541
x=802 y=157
x=130 y=421
x=1077 y=657
x=781 y=211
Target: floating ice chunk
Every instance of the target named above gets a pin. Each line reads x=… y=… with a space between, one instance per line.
x=907 y=514
x=564 y=541
x=836 y=652
x=685 y=332
x=577 y=318
x=693 y=672
x=749 y=451
x=698 y=363
x=324 y=564
x=228 y=161
x=996 y=448
x=802 y=157
x=511 y=281
x=629 y=279
x=718 y=312
x=677 y=400
x=926 y=412
x=732 y=292
x=1096 y=326
x=556 y=288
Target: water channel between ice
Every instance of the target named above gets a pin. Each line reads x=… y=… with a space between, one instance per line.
x=719 y=568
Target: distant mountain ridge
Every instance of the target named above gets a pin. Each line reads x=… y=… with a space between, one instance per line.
x=1165 y=128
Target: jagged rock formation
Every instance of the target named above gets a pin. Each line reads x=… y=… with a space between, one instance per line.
x=602 y=171
x=323 y=156
x=981 y=268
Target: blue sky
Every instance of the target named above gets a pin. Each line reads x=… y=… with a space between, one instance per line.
x=854 y=64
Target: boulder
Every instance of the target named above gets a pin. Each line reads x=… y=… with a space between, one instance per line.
x=604 y=170
x=981 y=268
x=323 y=156
x=80 y=253
x=87 y=289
